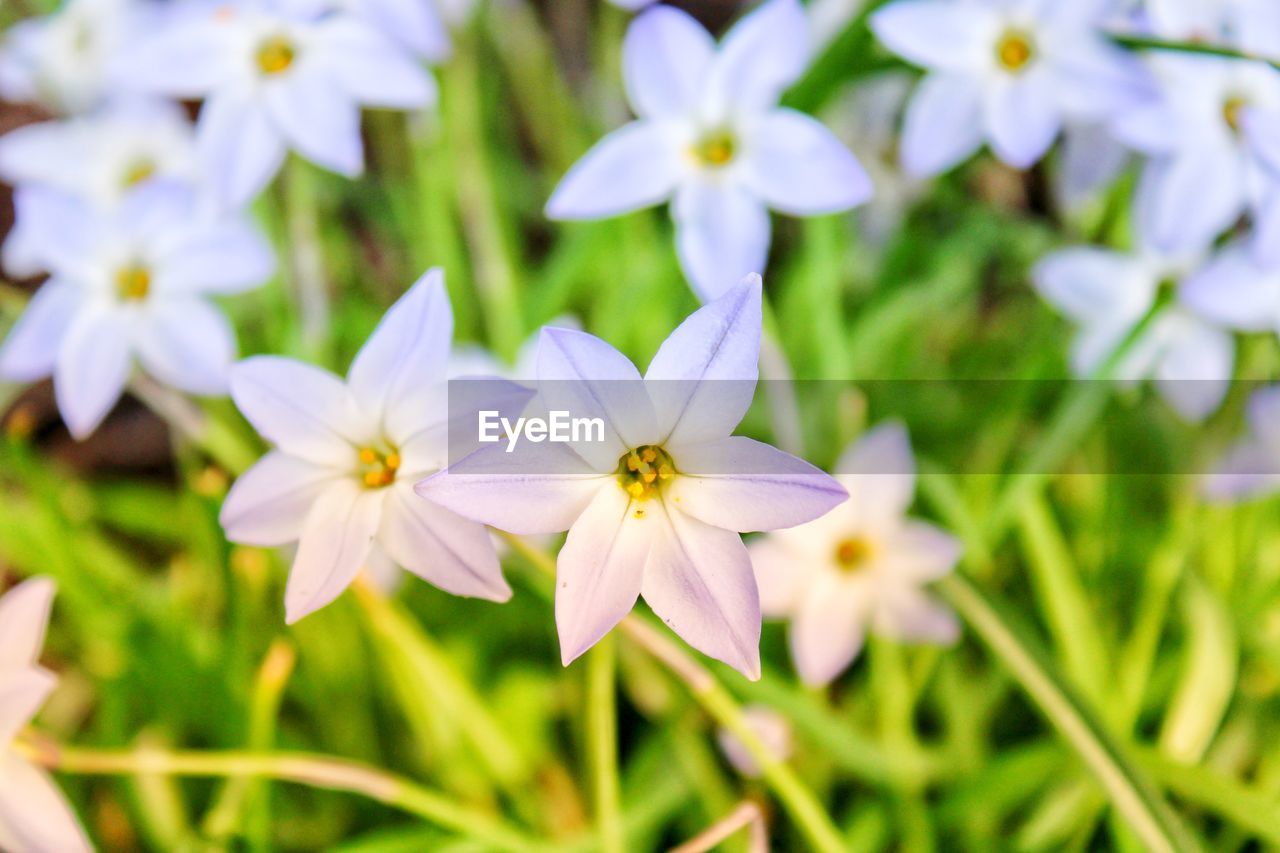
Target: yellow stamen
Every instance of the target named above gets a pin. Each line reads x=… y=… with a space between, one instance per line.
x=854 y=553
x=1233 y=112
x=275 y=55
x=133 y=282
x=642 y=471
x=138 y=171
x=1015 y=49
x=716 y=149
x=378 y=469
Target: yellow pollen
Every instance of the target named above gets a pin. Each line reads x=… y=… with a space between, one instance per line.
x=133 y=283
x=643 y=470
x=377 y=469
x=138 y=171
x=1233 y=112
x=275 y=55
x=716 y=149
x=854 y=553
x=1015 y=49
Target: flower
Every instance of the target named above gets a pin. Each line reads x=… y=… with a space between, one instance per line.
x=274 y=81
x=34 y=816
x=415 y=24
x=1139 y=302
x=1251 y=468
x=859 y=568
x=101 y=157
x=772 y=728
x=711 y=138
x=1007 y=72
x=654 y=508
x=125 y=286
x=340 y=480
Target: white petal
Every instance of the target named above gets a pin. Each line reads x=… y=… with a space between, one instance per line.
x=409 y=349
x=1262 y=127
x=1194 y=373
x=829 y=628
x=1232 y=291
x=761 y=56
x=414 y=23
x=187 y=343
x=62 y=230
x=34 y=812
x=1264 y=242
x=39 y=153
x=1187 y=200
x=920 y=552
x=444 y=549
x=223 y=258
x=336 y=538
x=911 y=615
x=1022 y=119
x=185 y=62
x=1250 y=469
x=703 y=377
x=301 y=409
x=740 y=484
x=371 y=68
x=22 y=692
x=92 y=368
x=319 y=120
x=269 y=503
x=722 y=235
x=879 y=472
x=795 y=165
x=935 y=33
x=24 y=617
x=781 y=573
x=943 y=124
x=31 y=349
x=1089 y=284
x=240 y=148
x=635 y=166
x=666 y=56
x=698 y=580
x=1092 y=159
x=543 y=488
x=599 y=569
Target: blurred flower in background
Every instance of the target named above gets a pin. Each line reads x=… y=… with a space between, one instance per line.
x=772 y=728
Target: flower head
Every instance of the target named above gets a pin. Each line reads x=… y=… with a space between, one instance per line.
x=861 y=568
x=711 y=138
x=654 y=507
x=34 y=816
x=340 y=479
x=129 y=286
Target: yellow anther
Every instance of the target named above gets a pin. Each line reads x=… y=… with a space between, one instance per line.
x=648 y=454
x=393 y=461
x=133 y=282
x=854 y=553
x=1015 y=49
x=641 y=470
x=666 y=472
x=650 y=475
x=636 y=490
x=1233 y=112
x=715 y=149
x=368 y=455
x=138 y=171
x=377 y=469
x=275 y=55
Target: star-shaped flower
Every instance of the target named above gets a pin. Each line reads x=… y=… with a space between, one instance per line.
x=34 y=816
x=1009 y=72
x=861 y=568
x=278 y=76
x=340 y=481
x=131 y=285
x=711 y=138
x=1111 y=295
x=655 y=506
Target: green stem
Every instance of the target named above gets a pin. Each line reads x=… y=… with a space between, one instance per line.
x=602 y=738
x=1139 y=42
x=202 y=427
x=306 y=257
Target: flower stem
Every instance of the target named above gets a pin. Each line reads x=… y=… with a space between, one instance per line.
x=201 y=427
x=602 y=737
x=1140 y=42
x=306 y=258
x=316 y=771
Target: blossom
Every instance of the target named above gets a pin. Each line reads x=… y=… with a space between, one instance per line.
x=275 y=78
x=340 y=479
x=132 y=285
x=654 y=508
x=1138 y=301
x=34 y=816
x=1006 y=71
x=711 y=138
x=1251 y=468
x=859 y=568
x=101 y=157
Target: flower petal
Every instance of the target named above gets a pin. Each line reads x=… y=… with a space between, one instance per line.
x=907 y=614
x=185 y=61
x=737 y=483
x=599 y=570
x=187 y=343
x=61 y=230
x=1186 y=200
x=698 y=580
x=943 y=124
x=269 y=503
x=921 y=553
x=370 y=67
x=415 y=24
x=761 y=56
x=795 y=165
x=666 y=56
x=829 y=628
x=336 y=539
x=319 y=120
x=879 y=472
x=31 y=349
x=223 y=258
x=33 y=811
x=781 y=573
x=22 y=692
x=301 y=409
x=722 y=235
x=24 y=617
x=1090 y=284
x=1022 y=119
x=92 y=368
x=937 y=34
x=1231 y=290
x=1194 y=371
x=239 y=146
x=636 y=166
x=439 y=546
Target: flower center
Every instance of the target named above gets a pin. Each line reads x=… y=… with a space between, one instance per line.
x=133 y=282
x=853 y=554
x=1233 y=111
x=715 y=149
x=138 y=171
x=643 y=470
x=377 y=468
x=275 y=55
x=1015 y=49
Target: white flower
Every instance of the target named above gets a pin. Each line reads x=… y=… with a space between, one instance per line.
x=1006 y=71
x=1251 y=468
x=65 y=61
x=1110 y=295
x=859 y=568
x=774 y=731
x=34 y=816
x=654 y=509
x=274 y=81
x=711 y=138
x=340 y=481
x=125 y=286
x=100 y=157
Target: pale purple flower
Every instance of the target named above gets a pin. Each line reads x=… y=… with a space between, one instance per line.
x=34 y=816
x=712 y=139
x=130 y=286
x=1251 y=469
x=1008 y=72
x=655 y=508
x=861 y=568
x=1110 y=295
x=340 y=479
x=772 y=728
x=277 y=77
